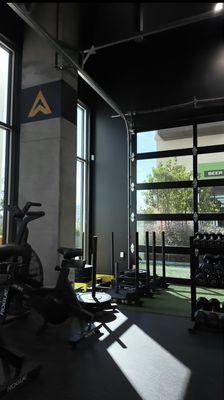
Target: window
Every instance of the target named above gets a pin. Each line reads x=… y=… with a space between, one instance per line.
x=6 y=75
x=177 y=187
x=82 y=178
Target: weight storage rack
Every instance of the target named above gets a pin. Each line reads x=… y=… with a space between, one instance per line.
x=195 y=251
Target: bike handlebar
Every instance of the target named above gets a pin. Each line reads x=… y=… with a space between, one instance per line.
x=17 y=212
x=35 y=214
x=30 y=204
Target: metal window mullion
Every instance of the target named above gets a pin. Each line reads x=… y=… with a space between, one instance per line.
x=165 y=217
x=168 y=249
x=164 y=153
x=133 y=194
x=6 y=184
x=210 y=149
x=195 y=177
x=87 y=166
x=211 y=182
x=4 y=125
x=164 y=185
x=9 y=91
x=211 y=217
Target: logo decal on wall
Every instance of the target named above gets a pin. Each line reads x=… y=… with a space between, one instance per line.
x=39 y=105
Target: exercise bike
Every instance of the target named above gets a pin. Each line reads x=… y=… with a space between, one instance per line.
x=21 y=218
x=15 y=369
x=57 y=304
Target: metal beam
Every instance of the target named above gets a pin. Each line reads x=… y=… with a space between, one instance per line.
x=164 y=28
x=195 y=103
x=56 y=45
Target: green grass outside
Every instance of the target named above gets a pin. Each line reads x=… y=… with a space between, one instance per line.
x=172 y=271
x=176 y=300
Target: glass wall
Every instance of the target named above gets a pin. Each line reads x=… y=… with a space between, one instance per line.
x=6 y=76
x=81 y=178
x=178 y=188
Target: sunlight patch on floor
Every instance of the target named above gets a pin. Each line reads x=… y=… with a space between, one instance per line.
x=154 y=373
x=109 y=327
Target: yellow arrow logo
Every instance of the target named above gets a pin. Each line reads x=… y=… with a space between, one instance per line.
x=39 y=105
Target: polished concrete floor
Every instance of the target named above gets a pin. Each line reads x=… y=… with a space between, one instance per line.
x=138 y=356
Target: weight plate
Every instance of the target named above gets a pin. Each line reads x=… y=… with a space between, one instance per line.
x=87 y=298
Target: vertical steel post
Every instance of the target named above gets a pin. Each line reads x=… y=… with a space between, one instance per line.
x=147 y=260
x=112 y=254
x=94 y=266
x=154 y=257
x=136 y=263
x=163 y=258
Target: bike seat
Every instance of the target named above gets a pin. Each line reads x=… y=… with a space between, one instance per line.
x=13 y=250
x=68 y=253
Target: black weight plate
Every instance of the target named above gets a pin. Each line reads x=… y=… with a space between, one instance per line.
x=99 y=299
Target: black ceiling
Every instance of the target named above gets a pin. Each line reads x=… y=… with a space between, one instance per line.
x=105 y=22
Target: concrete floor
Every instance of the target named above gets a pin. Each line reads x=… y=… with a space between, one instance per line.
x=139 y=356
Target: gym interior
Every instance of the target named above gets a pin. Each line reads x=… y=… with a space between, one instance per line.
x=112 y=201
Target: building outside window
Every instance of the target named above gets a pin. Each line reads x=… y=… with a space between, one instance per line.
x=6 y=77
x=82 y=178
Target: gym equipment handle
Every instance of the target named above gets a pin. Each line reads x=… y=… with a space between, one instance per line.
x=36 y=214
x=30 y=204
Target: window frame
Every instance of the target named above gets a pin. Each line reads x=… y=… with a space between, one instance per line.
x=10 y=128
x=86 y=187
x=195 y=184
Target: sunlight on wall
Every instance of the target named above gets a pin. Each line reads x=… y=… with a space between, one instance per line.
x=154 y=373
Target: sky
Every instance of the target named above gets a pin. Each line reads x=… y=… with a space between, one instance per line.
x=145 y=143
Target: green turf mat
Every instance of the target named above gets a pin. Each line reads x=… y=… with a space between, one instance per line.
x=176 y=300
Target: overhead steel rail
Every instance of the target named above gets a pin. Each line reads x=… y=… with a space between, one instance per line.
x=54 y=43
x=174 y=107
x=167 y=27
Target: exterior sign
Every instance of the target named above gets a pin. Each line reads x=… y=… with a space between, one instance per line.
x=211 y=170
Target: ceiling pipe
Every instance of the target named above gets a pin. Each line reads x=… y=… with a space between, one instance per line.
x=54 y=43
x=172 y=25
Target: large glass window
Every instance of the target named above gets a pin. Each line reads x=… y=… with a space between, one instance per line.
x=176 y=232
x=165 y=201
x=165 y=139
x=177 y=265
x=82 y=170
x=210 y=134
x=178 y=188
x=167 y=169
x=6 y=75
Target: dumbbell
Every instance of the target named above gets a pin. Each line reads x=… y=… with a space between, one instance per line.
x=212 y=240
x=218 y=266
x=204 y=240
x=213 y=317
x=203 y=303
x=221 y=321
x=197 y=239
x=207 y=264
x=214 y=304
x=202 y=306
x=201 y=279
x=213 y=280
x=221 y=283
x=219 y=241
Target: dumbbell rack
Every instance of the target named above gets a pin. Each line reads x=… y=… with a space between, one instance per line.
x=195 y=251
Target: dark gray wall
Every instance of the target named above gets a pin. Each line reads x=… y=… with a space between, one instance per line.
x=108 y=201
x=165 y=69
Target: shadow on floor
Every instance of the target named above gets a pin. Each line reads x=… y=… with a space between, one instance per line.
x=139 y=356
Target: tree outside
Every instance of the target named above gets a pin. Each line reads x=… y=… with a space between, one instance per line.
x=175 y=201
